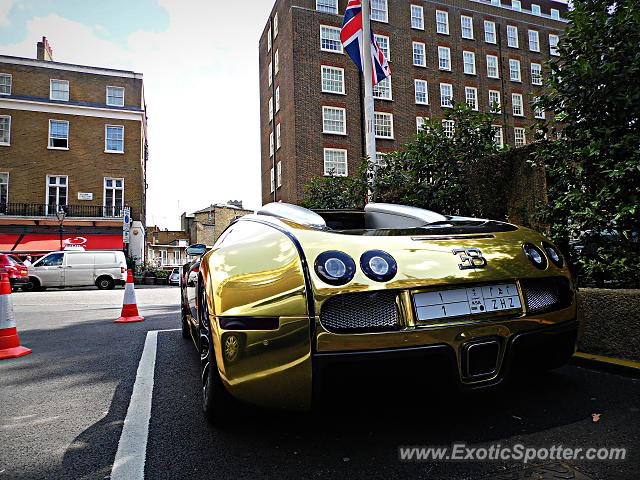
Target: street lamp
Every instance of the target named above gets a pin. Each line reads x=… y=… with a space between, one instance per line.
x=61 y=213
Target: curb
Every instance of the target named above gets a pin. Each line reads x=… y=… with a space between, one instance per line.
x=608 y=364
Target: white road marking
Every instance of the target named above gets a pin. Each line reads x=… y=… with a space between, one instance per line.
x=132 y=447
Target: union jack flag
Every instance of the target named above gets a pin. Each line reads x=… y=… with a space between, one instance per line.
x=351 y=37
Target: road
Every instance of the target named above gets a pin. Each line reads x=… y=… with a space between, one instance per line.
x=62 y=410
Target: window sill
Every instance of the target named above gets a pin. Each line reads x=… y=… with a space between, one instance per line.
x=5 y=94
x=58 y=99
x=416 y=28
x=336 y=174
x=421 y=66
x=383 y=99
x=111 y=105
x=333 y=93
x=5 y=144
x=473 y=74
x=443 y=33
x=115 y=151
x=57 y=148
x=422 y=104
x=467 y=38
x=518 y=116
x=493 y=78
x=515 y=81
x=331 y=51
x=385 y=138
x=334 y=133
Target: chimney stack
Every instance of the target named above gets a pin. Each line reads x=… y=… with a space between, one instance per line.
x=44 y=51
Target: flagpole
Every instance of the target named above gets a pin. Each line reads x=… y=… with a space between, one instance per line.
x=370 y=138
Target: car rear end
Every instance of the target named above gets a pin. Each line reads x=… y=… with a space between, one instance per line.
x=15 y=269
x=473 y=304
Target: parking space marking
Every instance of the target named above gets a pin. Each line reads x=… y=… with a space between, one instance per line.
x=132 y=446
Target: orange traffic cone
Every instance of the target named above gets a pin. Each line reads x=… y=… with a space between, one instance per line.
x=129 y=307
x=9 y=342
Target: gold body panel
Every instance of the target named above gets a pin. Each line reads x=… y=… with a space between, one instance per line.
x=260 y=273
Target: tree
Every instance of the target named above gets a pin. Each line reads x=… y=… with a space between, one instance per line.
x=594 y=167
x=440 y=170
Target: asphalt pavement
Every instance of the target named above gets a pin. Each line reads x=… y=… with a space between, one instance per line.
x=62 y=410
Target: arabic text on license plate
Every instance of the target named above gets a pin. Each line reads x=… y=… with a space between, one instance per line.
x=466 y=301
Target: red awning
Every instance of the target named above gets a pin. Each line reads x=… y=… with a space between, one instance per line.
x=36 y=242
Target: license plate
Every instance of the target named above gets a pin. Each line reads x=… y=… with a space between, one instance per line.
x=466 y=301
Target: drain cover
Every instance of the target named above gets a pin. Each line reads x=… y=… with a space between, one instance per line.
x=552 y=471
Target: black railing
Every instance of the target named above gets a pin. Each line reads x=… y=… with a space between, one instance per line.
x=40 y=210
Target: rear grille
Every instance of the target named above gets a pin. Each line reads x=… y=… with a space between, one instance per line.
x=360 y=312
x=546 y=294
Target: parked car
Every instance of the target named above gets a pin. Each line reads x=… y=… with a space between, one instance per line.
x=104 y=269
x=289 y=296
x=174 y=277
x=18 y=274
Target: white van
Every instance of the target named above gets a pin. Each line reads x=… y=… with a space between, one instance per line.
x=79 y=269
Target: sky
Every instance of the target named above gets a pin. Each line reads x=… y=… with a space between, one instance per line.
x=200 y=66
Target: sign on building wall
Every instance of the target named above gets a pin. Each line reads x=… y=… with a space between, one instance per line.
x=126 y=224
x=85 y=196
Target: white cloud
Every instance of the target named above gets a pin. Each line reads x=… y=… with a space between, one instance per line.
x=201 y=86
x=5 y=7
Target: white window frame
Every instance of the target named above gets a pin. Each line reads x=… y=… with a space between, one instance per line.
x=515 y=62
x=523 y=141
x=497 y=75
x=534 y=40
x=346 y=161
x=376 y=116
x=57 y=185
x=107 y=96
x=331 y=27
x=444 y=104
x=279 y=173
x=535 y=9
x=516 y=43
x=555 y=14
x=426 y=91
x=449 y=128
x=516 y=5
x=445 y=31
x=387 y=51
x=278 y=138
x=104 y=196
x=553 y=46
x=446 y=57
x=520 y=102
x=275 y=25
x=536 y=78
x=270 y=73
x=270 y=109
x=49 y=138
x=276 y=62
x=272 y=147
x=269 y=40
x=8 y=142
x=462 y=26
x=385 y=17
x=106 y=149
x=377 y=89
x=468 y=90
x=273 y=180
x=499 y=102
x=491 y=31
x=420 y=16
x=277 y=99
x=10 y=84
x=326 y=8
x=343 y=131
x=424 y=54
x=327 y=68
x=538 y=112
x=465 y=53
x=420 y=124
x=51 y=81
x=497 y=129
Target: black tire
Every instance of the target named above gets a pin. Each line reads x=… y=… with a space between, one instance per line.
x=105 y=283
x=217 y=403
x=33 y=285
x=186 y=333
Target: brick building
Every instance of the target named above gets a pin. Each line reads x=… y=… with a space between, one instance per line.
x=72 y=139
x=478 y=51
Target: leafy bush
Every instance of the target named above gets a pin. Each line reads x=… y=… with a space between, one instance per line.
x=594 y=167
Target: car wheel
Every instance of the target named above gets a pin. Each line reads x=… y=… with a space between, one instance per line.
x=32 y=285
x=217 y=403
x=105 y=283
x=185 y=325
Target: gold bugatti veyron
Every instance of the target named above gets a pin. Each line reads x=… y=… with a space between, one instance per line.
x=286 y=292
